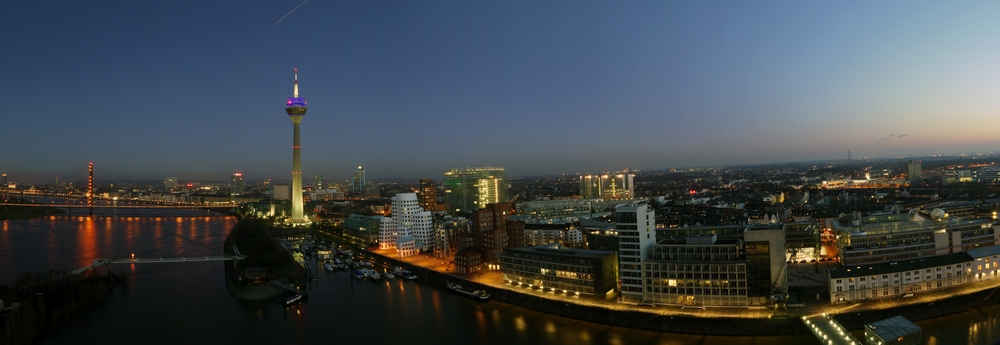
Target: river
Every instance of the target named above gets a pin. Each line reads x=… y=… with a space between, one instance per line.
x=188 y=302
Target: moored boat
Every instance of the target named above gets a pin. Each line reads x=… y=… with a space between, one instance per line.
x=477 y=294
x=358 y=274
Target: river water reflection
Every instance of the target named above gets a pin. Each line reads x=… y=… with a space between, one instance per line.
x=188 y=302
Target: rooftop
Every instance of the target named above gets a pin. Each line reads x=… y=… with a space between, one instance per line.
x=562 y=250
x=899 y=266
x=893 y=327
x=983 y=252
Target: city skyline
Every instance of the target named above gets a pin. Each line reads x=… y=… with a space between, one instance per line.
x=154 y=90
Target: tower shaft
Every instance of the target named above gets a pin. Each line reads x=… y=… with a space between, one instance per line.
x=297 y=216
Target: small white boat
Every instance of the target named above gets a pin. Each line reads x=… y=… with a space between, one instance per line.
x=293 y=299
x=390 y=276
x=328 y=267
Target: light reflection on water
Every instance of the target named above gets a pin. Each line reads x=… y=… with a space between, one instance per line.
x=192 y=298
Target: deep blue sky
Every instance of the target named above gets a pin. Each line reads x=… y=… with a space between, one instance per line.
x=196 y=89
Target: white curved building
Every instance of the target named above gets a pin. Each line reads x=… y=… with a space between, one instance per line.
x=408 y=219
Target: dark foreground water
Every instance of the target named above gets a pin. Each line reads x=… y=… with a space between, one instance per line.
x=189 y=303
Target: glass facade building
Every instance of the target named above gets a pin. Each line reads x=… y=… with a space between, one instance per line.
x=472 y=188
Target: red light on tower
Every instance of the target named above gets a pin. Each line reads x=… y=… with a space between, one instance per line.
x=90 y=190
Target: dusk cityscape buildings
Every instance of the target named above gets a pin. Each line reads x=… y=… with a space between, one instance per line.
x=681 y=172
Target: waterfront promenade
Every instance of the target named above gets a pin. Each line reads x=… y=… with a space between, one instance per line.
x=852 y=315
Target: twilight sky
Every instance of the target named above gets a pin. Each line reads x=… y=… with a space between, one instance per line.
x=196 y=89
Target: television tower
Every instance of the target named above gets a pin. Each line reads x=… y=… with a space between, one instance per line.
x=296 y=108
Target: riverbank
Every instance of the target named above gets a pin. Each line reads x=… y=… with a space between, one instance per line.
x=708 y=321
x=622 y=316
x=44 y=303
x=249 y=279
x=14 y=212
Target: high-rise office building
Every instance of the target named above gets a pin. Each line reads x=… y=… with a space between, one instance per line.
x=913 y=170
x=617 y=185
x=296 y=109
x=428 y=194
x=168 y=183
x=3 y=181
x=318 y=182
x=359 y=180
x=236 y=186
x=472 y=188
x=590 y=187
x=636 y=225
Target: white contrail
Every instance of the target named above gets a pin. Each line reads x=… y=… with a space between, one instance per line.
x=289 y=13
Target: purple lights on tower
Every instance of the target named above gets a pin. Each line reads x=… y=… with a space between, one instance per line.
x=295 y=104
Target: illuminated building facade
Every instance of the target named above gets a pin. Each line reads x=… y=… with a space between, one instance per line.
x=562 y=270
x=359 y=180
x=236 y=185
x=428 y=195
x=636 y=237
x=296 y=109
x=877 y=238
x=618 y=185
x=318 y=182
x=408 y=220
x=700 y=270
x=169 y=183
x=473 y=188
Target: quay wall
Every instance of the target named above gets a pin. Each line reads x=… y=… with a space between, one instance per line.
x=631 y=319
x=922 y=311
x=701 y=325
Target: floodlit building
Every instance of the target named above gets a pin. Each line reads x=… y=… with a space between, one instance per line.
x=236 y=186
x=407 y=220
x=899 y=278
x=636 y=236
x=617 y=185
x=472 y=188
x=700 y=270
x=885 y=237
x=562 y=269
